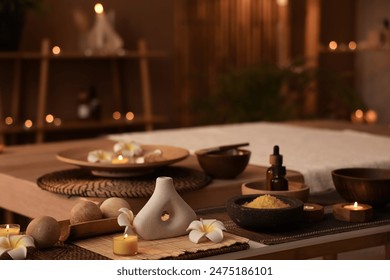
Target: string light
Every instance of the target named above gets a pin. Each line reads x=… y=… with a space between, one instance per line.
x=129 y=116
x=9 y=120
x=57 y=121
x=99 y=8
x=333 y=45
x=116 y=115
x=56 y=50
x=28 y=124
x=49 y=118
x=352 y=45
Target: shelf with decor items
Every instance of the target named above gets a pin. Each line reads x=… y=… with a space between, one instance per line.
x=12 y=124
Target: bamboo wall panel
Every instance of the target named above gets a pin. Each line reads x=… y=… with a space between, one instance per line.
x=215 y=36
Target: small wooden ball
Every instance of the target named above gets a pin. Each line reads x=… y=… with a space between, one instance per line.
x=85 y=211
x=45 y=230
x=110 y=207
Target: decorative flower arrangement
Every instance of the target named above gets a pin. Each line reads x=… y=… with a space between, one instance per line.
x=16 y=245
x=100 y=156
x=128 y=149
x=126 y=219
x=211 y=229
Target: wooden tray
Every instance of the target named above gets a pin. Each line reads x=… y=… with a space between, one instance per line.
x=88 y=229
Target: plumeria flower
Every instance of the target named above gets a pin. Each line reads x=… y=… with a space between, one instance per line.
x=209 y=228
x=128 y=149
x=100 y=156
x=150 y=156
x=126 y=219
x=15 y=245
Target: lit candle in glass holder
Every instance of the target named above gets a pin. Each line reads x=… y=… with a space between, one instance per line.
x=125 y=245
x=9 y=229
x=120 y=160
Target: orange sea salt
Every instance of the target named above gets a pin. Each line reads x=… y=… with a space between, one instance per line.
x=266 y=201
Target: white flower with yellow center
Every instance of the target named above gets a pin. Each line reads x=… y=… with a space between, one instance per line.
x=16 y=245
x=209 y=228
x=100 y=156
x=128 y=149
x=126 y=219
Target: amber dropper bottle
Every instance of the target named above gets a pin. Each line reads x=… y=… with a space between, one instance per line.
x=275 y=176
x=279 y=181
x=275 y=159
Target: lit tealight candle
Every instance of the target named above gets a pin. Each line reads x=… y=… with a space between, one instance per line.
x=313 y=212
x=354 y=206
x=126 y=245
x=120 y=160
x=355 y=212
x=9 y=229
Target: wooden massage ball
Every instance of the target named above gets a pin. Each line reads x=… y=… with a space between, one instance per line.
x=45 y=230
x=85 y=211
x=110 y=207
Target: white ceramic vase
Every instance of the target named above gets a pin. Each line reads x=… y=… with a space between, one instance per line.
x=165 y=214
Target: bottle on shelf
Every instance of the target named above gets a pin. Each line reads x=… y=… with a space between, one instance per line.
x=94 y=104
x=83 y=107
x=89 y=106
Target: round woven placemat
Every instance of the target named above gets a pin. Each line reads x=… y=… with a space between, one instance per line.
x=81 y=182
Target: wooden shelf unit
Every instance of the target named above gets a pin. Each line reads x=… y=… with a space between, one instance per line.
x=45 y=56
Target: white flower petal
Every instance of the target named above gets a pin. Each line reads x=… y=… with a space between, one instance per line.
x=19 y=253
x=16 y=245
x=126 y=219
x=195 y=236
x=4 y=245
x=210 y=228
x=99 y=156
x=215 y=236
x=128 y=213
x=21 y=240
x=130 y=230
x=195 y=225
x=123 y=220
x=128 y=149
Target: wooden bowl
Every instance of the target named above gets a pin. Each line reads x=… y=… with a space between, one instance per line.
x=295 y=189
x=264 y=219
x=224 y=165
x=364 y=185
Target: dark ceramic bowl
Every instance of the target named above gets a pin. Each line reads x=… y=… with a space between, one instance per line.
x=224 y=165
x=364 y=185
x=264 y=219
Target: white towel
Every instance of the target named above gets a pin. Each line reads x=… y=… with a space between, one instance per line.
x=313 y=152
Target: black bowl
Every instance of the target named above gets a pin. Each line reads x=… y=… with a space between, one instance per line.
x=265 y=218
x=363 y=185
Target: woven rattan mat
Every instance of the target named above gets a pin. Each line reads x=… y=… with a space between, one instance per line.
x=66 y=251
x=81 y=182
x=329 y=225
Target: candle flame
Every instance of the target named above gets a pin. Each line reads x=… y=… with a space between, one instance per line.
x=99 y=8
x=125 y=236
x=355 y=204
x=7 y=226
x=120 y=157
